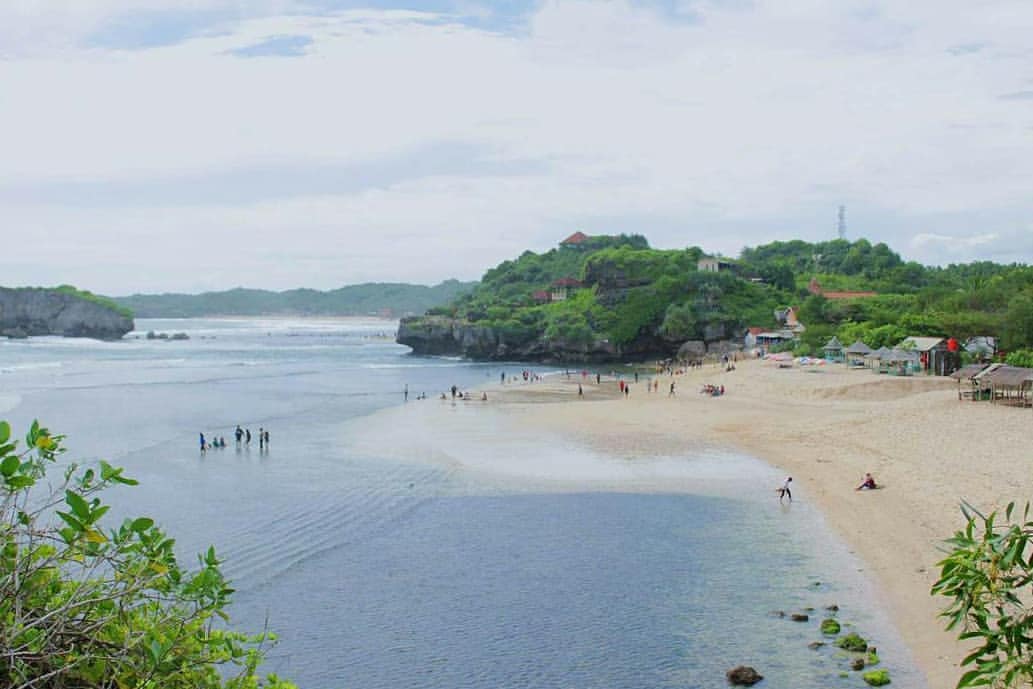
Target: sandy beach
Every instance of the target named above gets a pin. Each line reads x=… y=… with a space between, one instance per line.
x=826 y=426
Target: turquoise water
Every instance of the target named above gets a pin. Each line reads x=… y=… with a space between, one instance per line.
x=385 y=569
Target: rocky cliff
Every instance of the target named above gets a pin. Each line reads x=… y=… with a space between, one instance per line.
x=27 y=312
x=444 y=336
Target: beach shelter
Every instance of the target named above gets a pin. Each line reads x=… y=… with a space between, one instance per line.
x=900 y=362
x=856 y=353
x=968 y=381
x=833 y=349
x=873 y=360
x=1010 y=384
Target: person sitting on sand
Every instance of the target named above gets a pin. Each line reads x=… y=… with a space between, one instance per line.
x=868 y=483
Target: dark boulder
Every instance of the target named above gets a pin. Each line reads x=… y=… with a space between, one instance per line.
x=743 y=676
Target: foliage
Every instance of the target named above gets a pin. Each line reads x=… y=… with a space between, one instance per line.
x=1018 y=323
x=830 y=626
x=84 y=606
x=1020 y=357
x=988 y=576
x=658 y=297
x=352 y=300
x=679 y=323
x=120 y=309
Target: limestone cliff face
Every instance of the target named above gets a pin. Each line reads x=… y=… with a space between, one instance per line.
x=27 y=312
x=444 y=336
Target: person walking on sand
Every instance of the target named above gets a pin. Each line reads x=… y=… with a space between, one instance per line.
x=261 y=438
x=204 y=445
x=784 y=491
x=671 y=392
x=580 y=391
x=247 y=436
x=405 y=393
x=267 y=440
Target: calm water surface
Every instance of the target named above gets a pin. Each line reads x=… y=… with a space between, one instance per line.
x=378 y=572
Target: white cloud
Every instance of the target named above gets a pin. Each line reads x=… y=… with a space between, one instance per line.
x=742 y=123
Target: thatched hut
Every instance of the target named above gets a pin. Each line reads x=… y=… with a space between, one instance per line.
x=856 y=353
x=873 y=360
x=900 y=362
x=1010 y=385
x=968 y=378
x=833 y=349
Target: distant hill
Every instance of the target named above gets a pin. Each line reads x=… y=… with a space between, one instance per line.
x=373 y=298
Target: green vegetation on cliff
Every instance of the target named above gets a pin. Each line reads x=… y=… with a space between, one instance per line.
x=617 y=293
x=394 y=299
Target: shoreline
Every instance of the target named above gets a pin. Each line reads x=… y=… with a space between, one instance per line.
x=826 y=426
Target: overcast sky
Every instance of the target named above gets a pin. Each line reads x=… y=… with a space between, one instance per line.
x=178 y=145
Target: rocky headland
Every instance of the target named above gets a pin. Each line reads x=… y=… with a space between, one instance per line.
x=32 y=311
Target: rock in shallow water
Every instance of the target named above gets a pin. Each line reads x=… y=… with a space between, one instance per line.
x=743 y=675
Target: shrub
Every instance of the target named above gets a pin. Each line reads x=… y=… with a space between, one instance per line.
x=987 y=575
x=86 y=606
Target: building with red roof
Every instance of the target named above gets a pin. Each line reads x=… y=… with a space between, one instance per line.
x=814 y=287
x=575 y=239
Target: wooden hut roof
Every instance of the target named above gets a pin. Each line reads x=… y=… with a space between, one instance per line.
x=878 y=353
x=1009 y=376
x=900 y=355
x=968 y=372
x=923 y=344
x=859 y=348
x=834 y=343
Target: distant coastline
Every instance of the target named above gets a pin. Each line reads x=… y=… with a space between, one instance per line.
x=384 y=300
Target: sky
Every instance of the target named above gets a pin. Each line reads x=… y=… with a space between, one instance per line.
x=189 y=145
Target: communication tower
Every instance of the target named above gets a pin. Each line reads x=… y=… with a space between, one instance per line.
x=841 y=225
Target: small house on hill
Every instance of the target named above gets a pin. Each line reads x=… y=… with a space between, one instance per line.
x=575 y=239
x=541 y=297
x=833 y=349
x=562 y=288
x=712 y=264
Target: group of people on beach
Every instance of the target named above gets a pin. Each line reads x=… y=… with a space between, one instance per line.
x=243 y=438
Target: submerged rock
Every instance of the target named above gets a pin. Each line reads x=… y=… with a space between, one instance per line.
x=876 y=678
x=815 y=645
x=743 y=675
x=853 y=642
x=830 y=626
x=857 y=664
x=799 y=617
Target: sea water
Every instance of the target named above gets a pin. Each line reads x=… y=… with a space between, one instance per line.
x=380 y=567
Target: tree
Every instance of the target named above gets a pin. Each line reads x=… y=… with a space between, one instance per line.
x=987 y=575
x=679 y=323
x=88 y=607
x=1018 y=323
